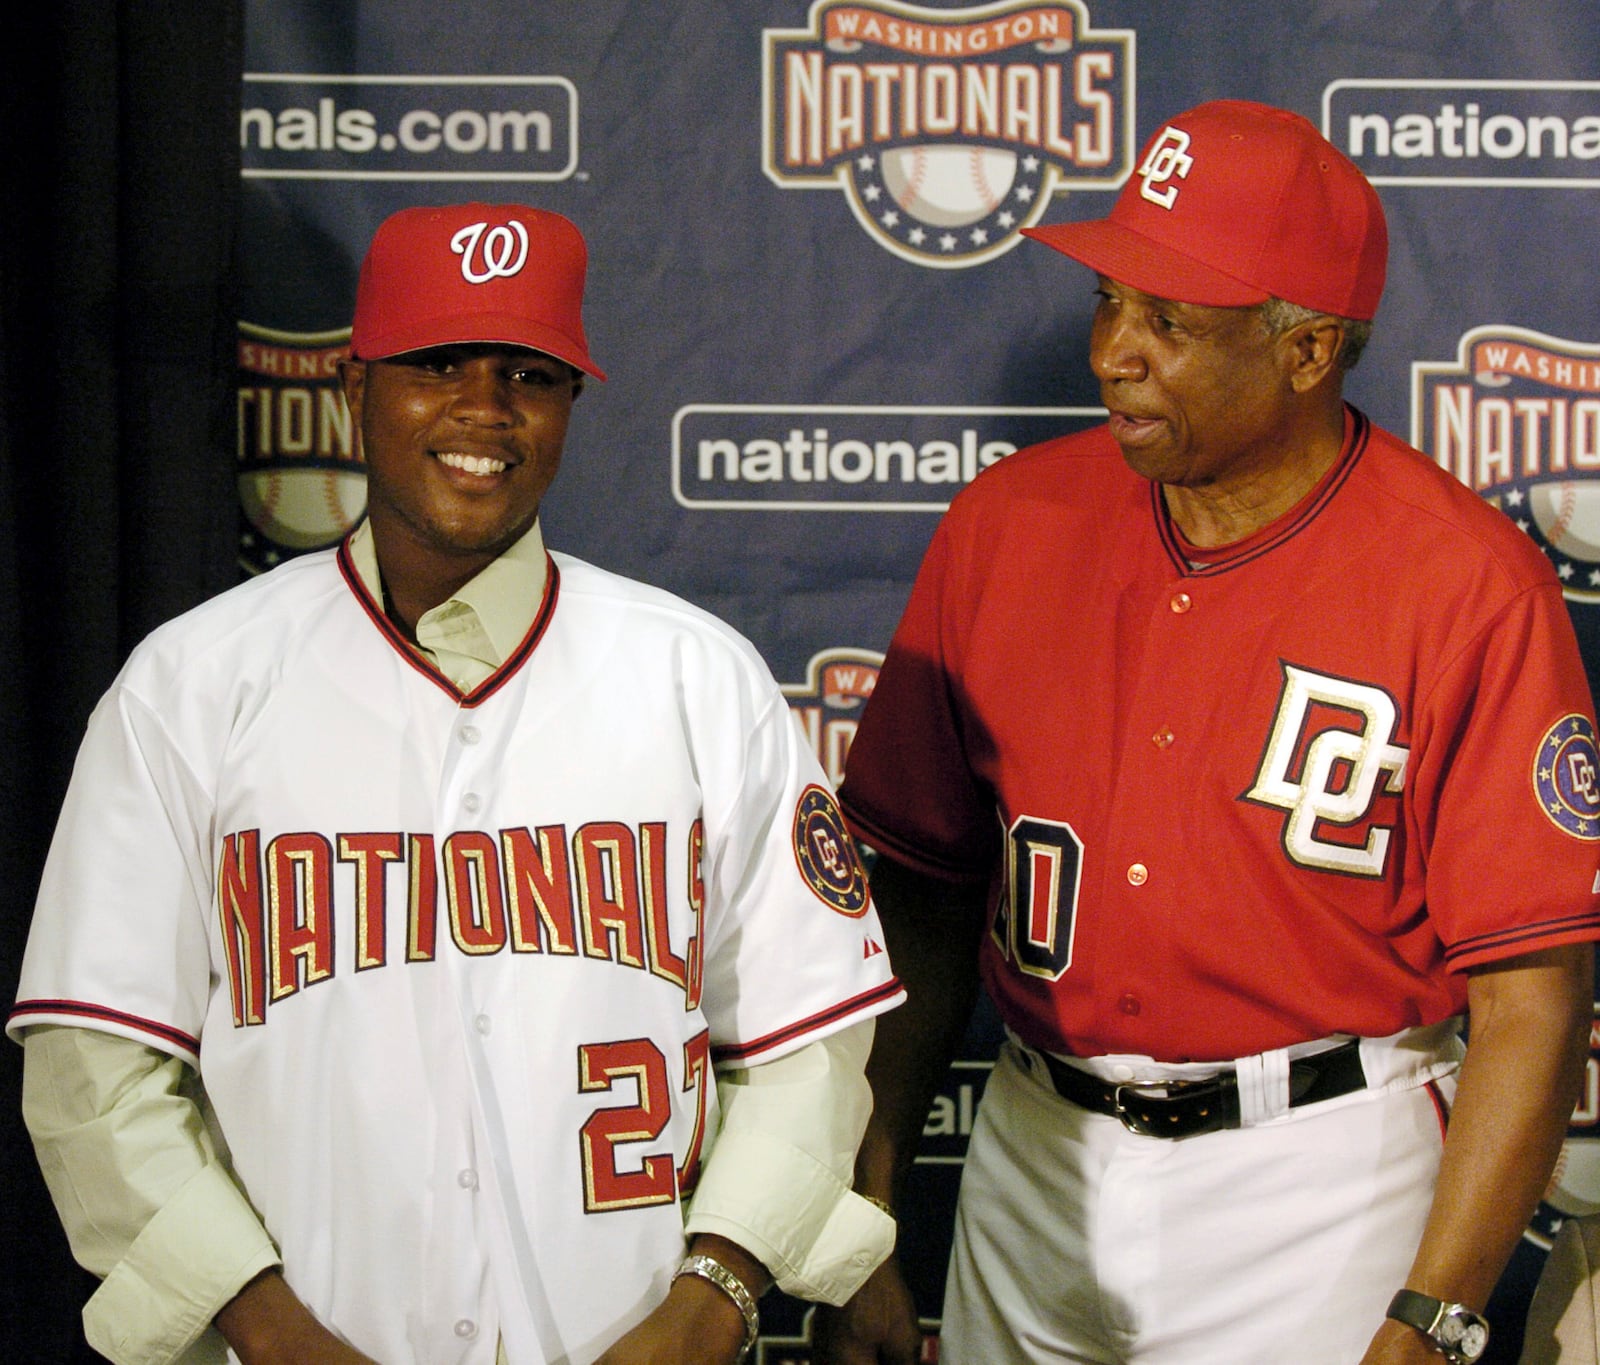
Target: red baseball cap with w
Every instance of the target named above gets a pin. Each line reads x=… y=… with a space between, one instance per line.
x=1235 y=202
x=501 y=273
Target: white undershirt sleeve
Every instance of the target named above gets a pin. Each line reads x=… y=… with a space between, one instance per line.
x=778 y=1179
x=146 y=1200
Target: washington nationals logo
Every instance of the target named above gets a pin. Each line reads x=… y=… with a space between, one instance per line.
x=1168 y=157
x=1566 y=775
x=827 y=857
x=1330 y=756
x=504 y=250
x=1516 y=417
x=948 y=131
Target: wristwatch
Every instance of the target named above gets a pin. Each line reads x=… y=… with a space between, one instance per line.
x=1457 y=1333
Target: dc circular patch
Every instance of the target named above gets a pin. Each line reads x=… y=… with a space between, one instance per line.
x=1566 y=775
x=826 y=855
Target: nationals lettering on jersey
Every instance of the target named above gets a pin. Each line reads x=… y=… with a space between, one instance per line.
x=601 y=892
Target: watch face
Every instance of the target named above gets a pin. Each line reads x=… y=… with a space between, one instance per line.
x=1464 y=1334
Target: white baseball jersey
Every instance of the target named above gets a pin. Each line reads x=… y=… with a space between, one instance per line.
x=456 y=970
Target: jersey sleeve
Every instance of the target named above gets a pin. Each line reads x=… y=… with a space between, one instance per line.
x=118 y=940
x=909 y=789
x=793 y=947
x=1509 y=775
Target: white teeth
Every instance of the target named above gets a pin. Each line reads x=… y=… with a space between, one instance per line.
x=471 y=464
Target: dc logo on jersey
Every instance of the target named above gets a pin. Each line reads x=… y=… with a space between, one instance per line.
x=827 y=855
x=1566 y=775
x=1516 y=416
x=302 y=483
x=948 y=132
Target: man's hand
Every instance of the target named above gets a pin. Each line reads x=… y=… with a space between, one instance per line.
x=877 y=1327
x=697 y=1323
x=266 y=1324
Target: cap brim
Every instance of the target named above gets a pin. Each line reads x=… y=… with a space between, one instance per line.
x=498 y=329
x=1142 y=263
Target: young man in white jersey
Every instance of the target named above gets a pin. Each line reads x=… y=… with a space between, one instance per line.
x=429 y=919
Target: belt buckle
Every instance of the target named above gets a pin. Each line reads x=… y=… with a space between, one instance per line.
x=1172 y=1115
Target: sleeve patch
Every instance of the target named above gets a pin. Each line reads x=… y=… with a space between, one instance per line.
x=1566 y=776
x=826 y=855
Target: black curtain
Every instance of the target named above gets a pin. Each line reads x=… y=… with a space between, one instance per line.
x=120 y=148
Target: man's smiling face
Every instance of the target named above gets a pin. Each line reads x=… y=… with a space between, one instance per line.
x=461 y=442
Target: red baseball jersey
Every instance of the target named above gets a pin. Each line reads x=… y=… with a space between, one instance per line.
x=1231 y=800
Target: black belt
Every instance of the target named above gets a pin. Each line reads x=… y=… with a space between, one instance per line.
x=1180 y=1109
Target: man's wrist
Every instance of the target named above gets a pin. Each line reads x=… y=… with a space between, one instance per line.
x=708 y=1268
x=1458 y=1333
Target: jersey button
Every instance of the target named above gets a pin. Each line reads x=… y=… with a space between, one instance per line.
x=1181 y=602
x=466 y=1328
x=481 y=1023
x=1129 y=1004
x=470 y=734
x=467 y=1179
x=1138 y=874
x=471 y=802
x=1163 y=738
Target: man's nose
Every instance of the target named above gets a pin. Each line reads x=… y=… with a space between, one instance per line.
x=1113 y=352
x=482 y=395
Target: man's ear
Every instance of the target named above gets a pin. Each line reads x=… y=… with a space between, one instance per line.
x=353 y=380
x=1314 y=350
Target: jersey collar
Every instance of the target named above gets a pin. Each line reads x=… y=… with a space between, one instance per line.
x=1197 y=561
x=469 y=642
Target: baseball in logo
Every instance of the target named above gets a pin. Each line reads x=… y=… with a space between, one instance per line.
x=302 y=484
x=827 y=855
x=948 y=131
x=1516 y=416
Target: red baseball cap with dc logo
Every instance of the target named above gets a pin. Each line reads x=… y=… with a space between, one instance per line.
x=1232 y=203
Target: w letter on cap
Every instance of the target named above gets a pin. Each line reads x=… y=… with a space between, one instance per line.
x=1167 y=158
x=505 y=250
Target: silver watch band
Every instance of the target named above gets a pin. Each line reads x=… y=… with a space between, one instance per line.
x=709 y=1268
